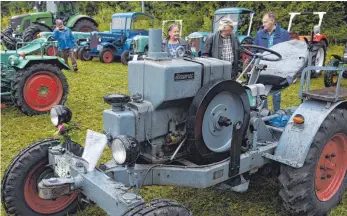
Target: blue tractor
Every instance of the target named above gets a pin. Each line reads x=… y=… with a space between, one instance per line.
x=118 y=41
x=243 y=19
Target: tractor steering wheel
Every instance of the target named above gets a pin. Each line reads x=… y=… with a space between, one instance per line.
x=245 y=48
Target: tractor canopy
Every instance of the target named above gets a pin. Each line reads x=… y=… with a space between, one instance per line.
x=241 y=17
x=131 y=23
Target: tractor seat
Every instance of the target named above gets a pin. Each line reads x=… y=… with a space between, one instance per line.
x=280 y=74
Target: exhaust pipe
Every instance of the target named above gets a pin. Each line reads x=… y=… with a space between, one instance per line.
x=155 y=45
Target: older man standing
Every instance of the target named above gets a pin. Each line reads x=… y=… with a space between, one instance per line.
x=66 y=42
x=270 y=34
x=224 y=45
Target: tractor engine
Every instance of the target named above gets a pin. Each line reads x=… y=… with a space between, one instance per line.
x=169 y=112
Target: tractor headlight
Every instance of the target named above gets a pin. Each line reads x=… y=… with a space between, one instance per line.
x=60 y=114
x=125 y=150
x=13 y=60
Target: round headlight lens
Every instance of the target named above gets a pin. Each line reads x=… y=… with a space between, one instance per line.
x=60 y=114
x=118 y=151
x=54 y=117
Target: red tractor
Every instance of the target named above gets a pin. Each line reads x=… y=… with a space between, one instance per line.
x=321 y=40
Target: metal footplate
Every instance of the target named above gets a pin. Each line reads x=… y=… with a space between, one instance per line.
x=113 y=197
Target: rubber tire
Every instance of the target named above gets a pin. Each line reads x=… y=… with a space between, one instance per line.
x=84 y=23
x=81 y=56
x=20 y=78
x=329 y=75
x=76 y=53
x=101 y=55
x=318 y=45
x=8 y=41
x=160 y=207
x=297 y=185
x=125 y=57
x=31 y=31
x=8 y=31
x=12 y=185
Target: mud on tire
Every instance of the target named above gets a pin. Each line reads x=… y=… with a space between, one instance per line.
x=17 y=178
x=22 y=76
x=302 y=190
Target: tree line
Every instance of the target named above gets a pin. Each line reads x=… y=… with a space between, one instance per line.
x=198 y=16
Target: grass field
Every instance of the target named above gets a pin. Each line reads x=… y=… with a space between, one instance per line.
x=87 y=87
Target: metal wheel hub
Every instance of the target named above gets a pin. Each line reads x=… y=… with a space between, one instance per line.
x=224 y=109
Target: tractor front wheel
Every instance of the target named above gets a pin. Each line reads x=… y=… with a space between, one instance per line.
x=51 y=50
x=37 y=89
x=331 y=77
x=84 y=55
x=106 y=56
x=19 y=185
x=85 y=25
x=318 y=58
x=8 y=41
x=318 y=186
x=160 y=207
x=125 y=58
x=31 y=33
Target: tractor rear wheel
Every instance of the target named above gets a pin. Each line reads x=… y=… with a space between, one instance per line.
x=318 y=58
x=85 y=25
x=19 y=185
x=331 y=77
x=8 y=41
x=160 y=207
x=35 y=90
x=125 y=58
x=318 y=185
x=31 y=32
x=83 y=54
x=106 y=56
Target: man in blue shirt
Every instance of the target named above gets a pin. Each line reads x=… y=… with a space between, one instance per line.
x=66 y=42
x=270 y=34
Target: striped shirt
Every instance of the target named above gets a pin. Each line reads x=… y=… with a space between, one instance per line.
x=227 y=50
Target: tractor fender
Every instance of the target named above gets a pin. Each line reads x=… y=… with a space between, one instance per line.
x=30 y=60
x=74 y=19
x=296 y=140
x=109 y=45
x=321 y=37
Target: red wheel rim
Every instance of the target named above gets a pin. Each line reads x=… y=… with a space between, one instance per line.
x=52 y=51
x=32 y=197
x=42 y=91
x=331 y=167
x=107 y=56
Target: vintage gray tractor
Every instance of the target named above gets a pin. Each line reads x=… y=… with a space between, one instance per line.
x=34 y=83
x=188 y=123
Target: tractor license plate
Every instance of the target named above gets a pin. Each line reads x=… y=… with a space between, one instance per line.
x=61 y=169
x=99 y=48
x=94 y=146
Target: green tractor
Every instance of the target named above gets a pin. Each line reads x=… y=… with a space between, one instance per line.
x=34 y=83
x=331 y=77
x=26 y=27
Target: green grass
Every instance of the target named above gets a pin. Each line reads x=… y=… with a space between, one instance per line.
x=87 y=87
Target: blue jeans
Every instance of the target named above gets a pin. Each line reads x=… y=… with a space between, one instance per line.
x=276 y=102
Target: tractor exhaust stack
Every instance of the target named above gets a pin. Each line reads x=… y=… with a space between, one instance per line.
x=155 y=44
